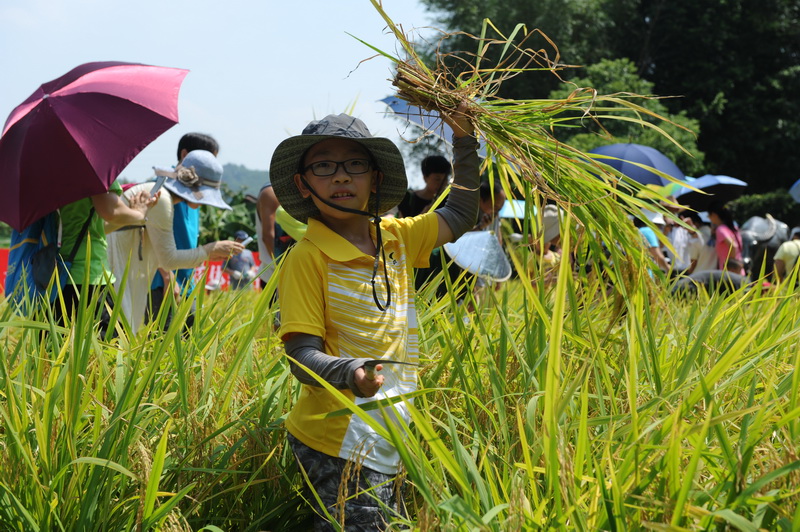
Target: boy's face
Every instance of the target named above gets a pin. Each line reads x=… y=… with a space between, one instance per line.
x=349 y=189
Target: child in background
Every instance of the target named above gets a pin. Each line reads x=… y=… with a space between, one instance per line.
x=346 y=297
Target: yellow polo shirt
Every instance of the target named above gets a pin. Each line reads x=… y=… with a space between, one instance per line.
x=325 y=290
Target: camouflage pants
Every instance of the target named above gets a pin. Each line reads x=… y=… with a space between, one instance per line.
x=360 y=498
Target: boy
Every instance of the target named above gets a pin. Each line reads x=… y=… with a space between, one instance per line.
x=346 y=297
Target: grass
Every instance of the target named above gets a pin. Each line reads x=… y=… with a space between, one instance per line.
x=598 y=402
x=541 y=410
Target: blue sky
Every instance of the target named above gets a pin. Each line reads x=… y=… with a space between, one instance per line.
x=259 y=70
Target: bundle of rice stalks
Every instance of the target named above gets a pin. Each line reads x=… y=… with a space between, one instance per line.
x=523 y=154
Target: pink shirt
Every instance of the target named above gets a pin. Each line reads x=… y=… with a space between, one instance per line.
x=723 y=235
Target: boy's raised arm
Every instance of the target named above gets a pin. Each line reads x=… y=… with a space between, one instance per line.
x=460 y=210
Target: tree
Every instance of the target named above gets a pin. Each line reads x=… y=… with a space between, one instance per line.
x=732 y=64
x=573 y=32
x=735 y=64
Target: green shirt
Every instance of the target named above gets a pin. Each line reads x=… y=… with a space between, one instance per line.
x=73 y=216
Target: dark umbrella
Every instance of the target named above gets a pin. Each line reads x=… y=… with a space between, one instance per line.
x=715 y=189
x=74 y=135
x=637 y=162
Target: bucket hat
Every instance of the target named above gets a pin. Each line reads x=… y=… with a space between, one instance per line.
x=288 y=155
x=197 y=179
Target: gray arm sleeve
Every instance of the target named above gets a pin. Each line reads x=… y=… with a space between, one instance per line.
x=460 y=210
x=306 y=349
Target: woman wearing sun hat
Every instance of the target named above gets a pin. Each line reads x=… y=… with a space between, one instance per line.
x=143 y=249
x=346 y=296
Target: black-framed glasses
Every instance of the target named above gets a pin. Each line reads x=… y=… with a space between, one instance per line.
x=328 y=168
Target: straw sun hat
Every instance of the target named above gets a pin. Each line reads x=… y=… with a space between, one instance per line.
x=288 y=155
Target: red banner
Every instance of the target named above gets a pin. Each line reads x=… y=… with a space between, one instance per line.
x=3 y=267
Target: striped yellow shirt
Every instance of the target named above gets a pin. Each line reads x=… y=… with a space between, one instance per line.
x=325 y=290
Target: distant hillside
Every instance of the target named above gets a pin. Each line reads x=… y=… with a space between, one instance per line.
x=241 y=179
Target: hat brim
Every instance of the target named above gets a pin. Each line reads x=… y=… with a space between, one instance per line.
x=202 y=194
x=286 y=161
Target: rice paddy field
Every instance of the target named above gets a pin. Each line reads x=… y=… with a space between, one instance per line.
x=597 y=401
x=548 y=407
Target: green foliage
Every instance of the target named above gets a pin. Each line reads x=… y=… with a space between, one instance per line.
x=574 y=32
x=778 y=203
x=155 y=432
x=240 y=188
x=219 y=224
x=619 y=76
x=539 y=410
x=732 y=66
x=5 y=235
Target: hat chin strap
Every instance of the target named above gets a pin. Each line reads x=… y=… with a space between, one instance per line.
x=376 y=219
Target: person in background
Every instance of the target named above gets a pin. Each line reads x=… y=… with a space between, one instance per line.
x=787 y=255
x=702 y=256
x=436 y=172
x=493 y=197
x=551 y=254
x=168 y=285
x=678 y=238
x=241 y=266
x=650 y=239
x=728 y=240
x=83 y=221
x=141 y=249
x=272 y=223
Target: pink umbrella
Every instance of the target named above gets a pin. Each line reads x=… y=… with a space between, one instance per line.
x=74 y=135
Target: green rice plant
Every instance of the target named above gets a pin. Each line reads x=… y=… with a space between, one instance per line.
x=145 y=432
x=597 y=401
x=539 y=409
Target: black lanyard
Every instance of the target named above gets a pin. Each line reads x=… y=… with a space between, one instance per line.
x=381 y=254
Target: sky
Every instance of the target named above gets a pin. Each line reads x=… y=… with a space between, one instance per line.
x=259 y=70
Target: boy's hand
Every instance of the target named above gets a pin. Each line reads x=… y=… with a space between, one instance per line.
x=458 y=121
x=368 y=387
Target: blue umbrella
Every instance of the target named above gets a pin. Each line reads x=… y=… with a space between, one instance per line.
x=795 y=191
x=627 y=158
x=718 y=189
x=513 y=209
x=430 y=121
